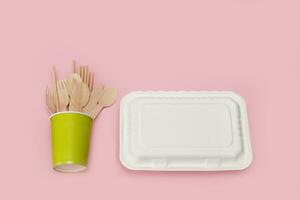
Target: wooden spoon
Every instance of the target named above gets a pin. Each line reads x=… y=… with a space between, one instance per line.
x=96 y=95
x=86 y=76
x=79 y=96
x=107 y=99
x=71 y=81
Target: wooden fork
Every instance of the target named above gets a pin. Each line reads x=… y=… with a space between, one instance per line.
x=108 y=97
x=50 y=100
x=64 y=99
x=86 y=76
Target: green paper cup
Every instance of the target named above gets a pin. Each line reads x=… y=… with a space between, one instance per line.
x=70 y=141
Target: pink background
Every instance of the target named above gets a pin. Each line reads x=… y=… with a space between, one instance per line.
x=251 y=47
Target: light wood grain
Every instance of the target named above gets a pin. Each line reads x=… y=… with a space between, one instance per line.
x=70 y=81
x=107 y=99
x=95 y=97
x=50 y=100
x=74 y=92
x=86 y=76
x=54 y=83
x=79 y=97
x=63 y=95
x=91 y=81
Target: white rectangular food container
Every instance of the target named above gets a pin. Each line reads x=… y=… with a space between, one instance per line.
x=184 y=131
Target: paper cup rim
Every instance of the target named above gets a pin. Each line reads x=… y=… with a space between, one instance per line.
x=71 y=112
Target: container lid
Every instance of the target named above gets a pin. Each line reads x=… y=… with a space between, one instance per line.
x=184 y=131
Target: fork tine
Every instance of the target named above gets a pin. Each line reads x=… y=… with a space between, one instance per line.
x=47 y=97
x=60 y=84
x=88 y=80
x=81 y=72
x=91 y=81
x=51 y=92
x=65 y=84
x=86 y=72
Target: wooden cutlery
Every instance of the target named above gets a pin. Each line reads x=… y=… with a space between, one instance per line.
x=54 y=81
x=77 y=93
x=50 y=100
x=86 y=76
x=71 y=81
x=63 y=95
x=96 y=94
x=79 y=97
x=107 y=99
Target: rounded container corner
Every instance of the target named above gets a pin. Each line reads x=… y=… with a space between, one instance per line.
x=238 y=97
x=125 y=164
x=127 y=96
x=247 y=163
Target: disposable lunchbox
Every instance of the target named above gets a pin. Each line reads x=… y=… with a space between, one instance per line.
x=184 y=131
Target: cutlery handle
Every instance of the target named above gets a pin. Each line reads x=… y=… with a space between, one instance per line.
x=75 y=107
x=56 y=98
x=72 y=107
x=91 y=105
x=94 y=113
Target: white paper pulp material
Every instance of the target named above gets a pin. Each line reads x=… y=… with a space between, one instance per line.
x=184 y=131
